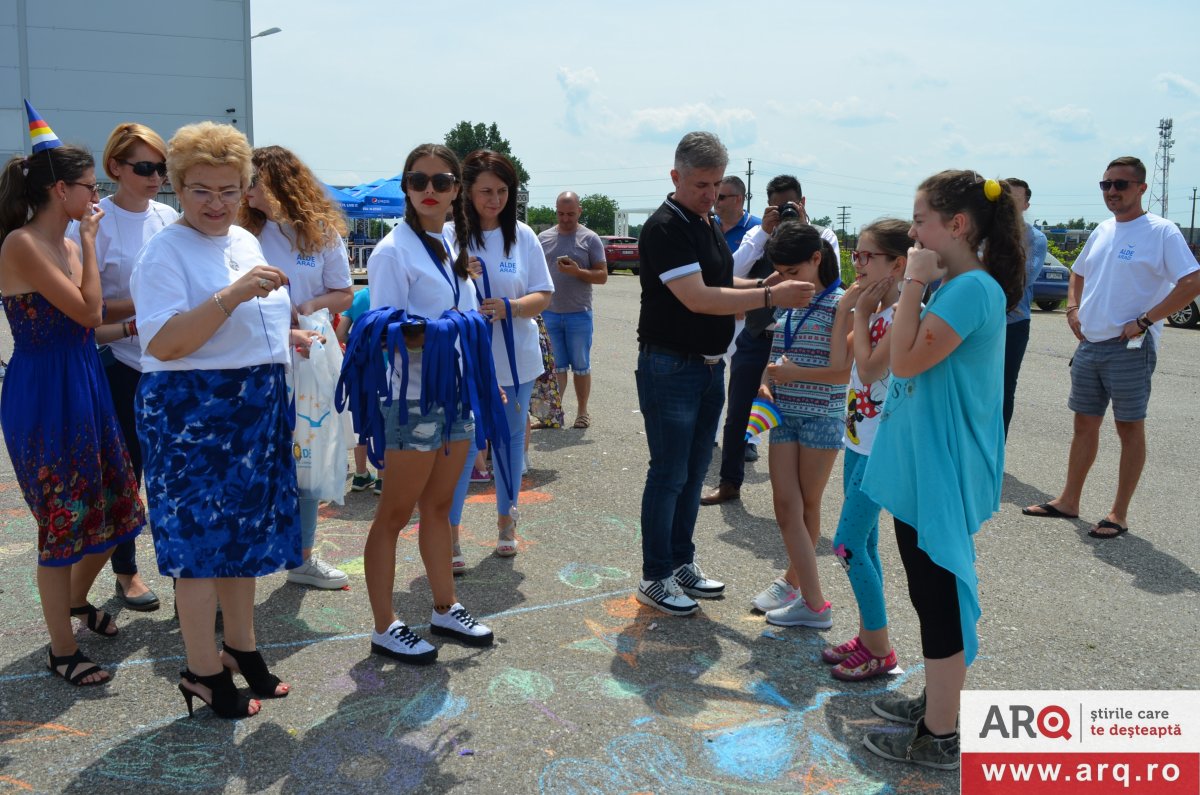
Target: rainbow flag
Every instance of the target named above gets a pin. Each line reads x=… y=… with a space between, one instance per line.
x=39 y=132
x=764 y=415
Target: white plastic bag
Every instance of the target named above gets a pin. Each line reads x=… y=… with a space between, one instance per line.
x=319 y=442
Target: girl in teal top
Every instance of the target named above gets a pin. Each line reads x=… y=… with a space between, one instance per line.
x=938 y=458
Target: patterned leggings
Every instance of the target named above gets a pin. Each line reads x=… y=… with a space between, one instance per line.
x=857 y=543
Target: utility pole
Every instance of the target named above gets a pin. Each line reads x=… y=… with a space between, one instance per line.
x=1192 y=228
x=1162 y=165
x=749 y=174
x=843 y=218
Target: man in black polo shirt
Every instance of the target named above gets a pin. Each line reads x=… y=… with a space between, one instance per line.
x=689 y=297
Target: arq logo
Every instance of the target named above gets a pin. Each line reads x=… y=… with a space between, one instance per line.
x=1053 y=722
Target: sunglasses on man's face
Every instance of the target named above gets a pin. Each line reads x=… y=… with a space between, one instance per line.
x=417 y=180
x=1119 y=184
x=145 y=168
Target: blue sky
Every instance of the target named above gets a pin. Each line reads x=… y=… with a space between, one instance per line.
x=860 y=100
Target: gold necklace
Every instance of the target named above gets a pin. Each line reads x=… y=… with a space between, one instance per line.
x=226 y=253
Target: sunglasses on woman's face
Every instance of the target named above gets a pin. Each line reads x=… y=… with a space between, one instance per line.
x=416 y=180
x=146 y=168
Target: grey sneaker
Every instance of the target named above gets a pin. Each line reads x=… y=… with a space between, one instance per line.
x=901 y=709
x=925 y=750
x=318 y=574
x=693 y=582
x=778 y=594
x=799 y=614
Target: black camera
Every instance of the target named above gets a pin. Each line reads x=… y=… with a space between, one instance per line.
x=788 y=211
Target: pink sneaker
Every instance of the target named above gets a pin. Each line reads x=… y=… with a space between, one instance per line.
x=836 y=654
x=480 y=477
x=864 y=665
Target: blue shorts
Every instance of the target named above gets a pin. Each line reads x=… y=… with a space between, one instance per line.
x=1110 y=370
x=423 y=432
x=818 y=433
x=570 y=336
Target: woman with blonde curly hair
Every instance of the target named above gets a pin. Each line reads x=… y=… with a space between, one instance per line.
x=135 y=158
x=213 y=415
x=300 y=229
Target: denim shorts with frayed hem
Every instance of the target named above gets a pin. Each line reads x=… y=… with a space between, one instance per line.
x=423 y=432
x=817 y=433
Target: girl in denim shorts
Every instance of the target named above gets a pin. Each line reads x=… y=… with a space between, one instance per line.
x=810 y=391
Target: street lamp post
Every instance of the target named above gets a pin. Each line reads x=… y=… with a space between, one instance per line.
x=249 y=71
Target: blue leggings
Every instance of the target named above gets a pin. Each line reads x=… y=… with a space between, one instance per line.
x=515 y=411
x=308 y=522
x=857 y=543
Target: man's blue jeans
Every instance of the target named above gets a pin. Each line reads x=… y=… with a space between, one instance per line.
x=680 y=398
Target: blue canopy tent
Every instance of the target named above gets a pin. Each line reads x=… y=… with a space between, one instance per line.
x=349 y=204
x=383 y=200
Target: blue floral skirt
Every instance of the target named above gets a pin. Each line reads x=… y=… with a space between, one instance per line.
x=220 y=476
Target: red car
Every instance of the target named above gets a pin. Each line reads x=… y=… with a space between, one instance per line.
x=621 y=253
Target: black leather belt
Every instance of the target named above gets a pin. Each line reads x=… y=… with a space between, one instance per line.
x=659 y=349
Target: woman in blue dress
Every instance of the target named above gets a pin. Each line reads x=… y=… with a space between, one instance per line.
x=213 y=415
x=59 y=425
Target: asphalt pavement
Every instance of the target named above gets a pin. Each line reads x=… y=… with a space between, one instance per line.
x=585 y=689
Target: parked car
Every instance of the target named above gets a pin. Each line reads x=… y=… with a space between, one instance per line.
x=1188 y=317
x=1050 y=287
x=621 y=253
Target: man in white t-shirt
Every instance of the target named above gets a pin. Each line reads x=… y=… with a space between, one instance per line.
x=1134 y=271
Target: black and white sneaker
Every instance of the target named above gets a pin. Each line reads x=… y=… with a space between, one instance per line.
x=666 y=596
x=401 y=643
x=695 y=584
x=457 y=623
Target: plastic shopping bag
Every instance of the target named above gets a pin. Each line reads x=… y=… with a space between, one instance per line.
x=319 y=441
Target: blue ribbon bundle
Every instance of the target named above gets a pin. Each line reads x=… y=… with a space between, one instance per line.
x=365 y=381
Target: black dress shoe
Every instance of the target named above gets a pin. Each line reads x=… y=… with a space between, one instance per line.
x=722 y=493
x=145 y=603
x=751 y=452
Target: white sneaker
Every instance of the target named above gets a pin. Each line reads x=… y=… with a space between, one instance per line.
x=667 y=596
x=778 y=594
x=401 y=643
x=799 y=614
x=695 y=584
x=318 y=574
x=457 y=623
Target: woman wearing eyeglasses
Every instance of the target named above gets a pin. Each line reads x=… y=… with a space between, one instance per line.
x=135 y=158
x=300 y=230
x=63 y=438
x=417 y=269
x=213 y=415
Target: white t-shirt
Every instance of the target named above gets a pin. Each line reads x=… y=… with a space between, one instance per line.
x=118 y=240
x=1127 y=268
x=308 y=276
x=402 y=274
x=522 y=272
x=864 y=402
x=180 y=269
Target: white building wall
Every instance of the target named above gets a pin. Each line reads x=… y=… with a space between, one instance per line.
x=88 y=65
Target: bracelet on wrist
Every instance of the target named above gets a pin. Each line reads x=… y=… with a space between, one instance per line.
x=1074 y=307
x=221 y=304
x=767 y=296
x=1144 y=322
x=761 y=283
x=132 y=328
x=908 y=279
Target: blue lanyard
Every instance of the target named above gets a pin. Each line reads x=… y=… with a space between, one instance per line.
x=441 y=268
x=787 y=323
x=506 y=326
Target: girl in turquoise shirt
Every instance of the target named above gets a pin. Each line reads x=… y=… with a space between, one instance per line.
x=938 y=458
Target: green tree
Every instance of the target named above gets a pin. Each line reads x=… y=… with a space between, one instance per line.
x=824 y=221
x=465 y=138
x=541 y=217
x=597 y=213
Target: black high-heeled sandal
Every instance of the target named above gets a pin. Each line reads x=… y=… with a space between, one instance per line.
x=253 y=669
x=97 y=620
x=226 y=701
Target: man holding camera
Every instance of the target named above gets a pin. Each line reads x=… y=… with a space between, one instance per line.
x=786 y=201
x=575 y=255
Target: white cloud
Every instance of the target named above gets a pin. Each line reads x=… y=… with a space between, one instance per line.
x=846 y=113
x=577 y=86
x=736 y=126
x=1069 y=123
x=1176 y=85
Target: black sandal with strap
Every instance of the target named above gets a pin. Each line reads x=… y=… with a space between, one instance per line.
x=225 y=699
x=72 y=662
x=253 y=669
x=97 y=620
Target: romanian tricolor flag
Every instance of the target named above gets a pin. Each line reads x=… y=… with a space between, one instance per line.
x=39 y=132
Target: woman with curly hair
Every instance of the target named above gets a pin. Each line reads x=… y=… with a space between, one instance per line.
x=300 y=229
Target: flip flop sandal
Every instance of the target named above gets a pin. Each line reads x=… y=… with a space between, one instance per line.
x=1047 y=511
x=1106 y=524
x=73 y=662
x=507 y=547
x=97 y=621
x=582 y=422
